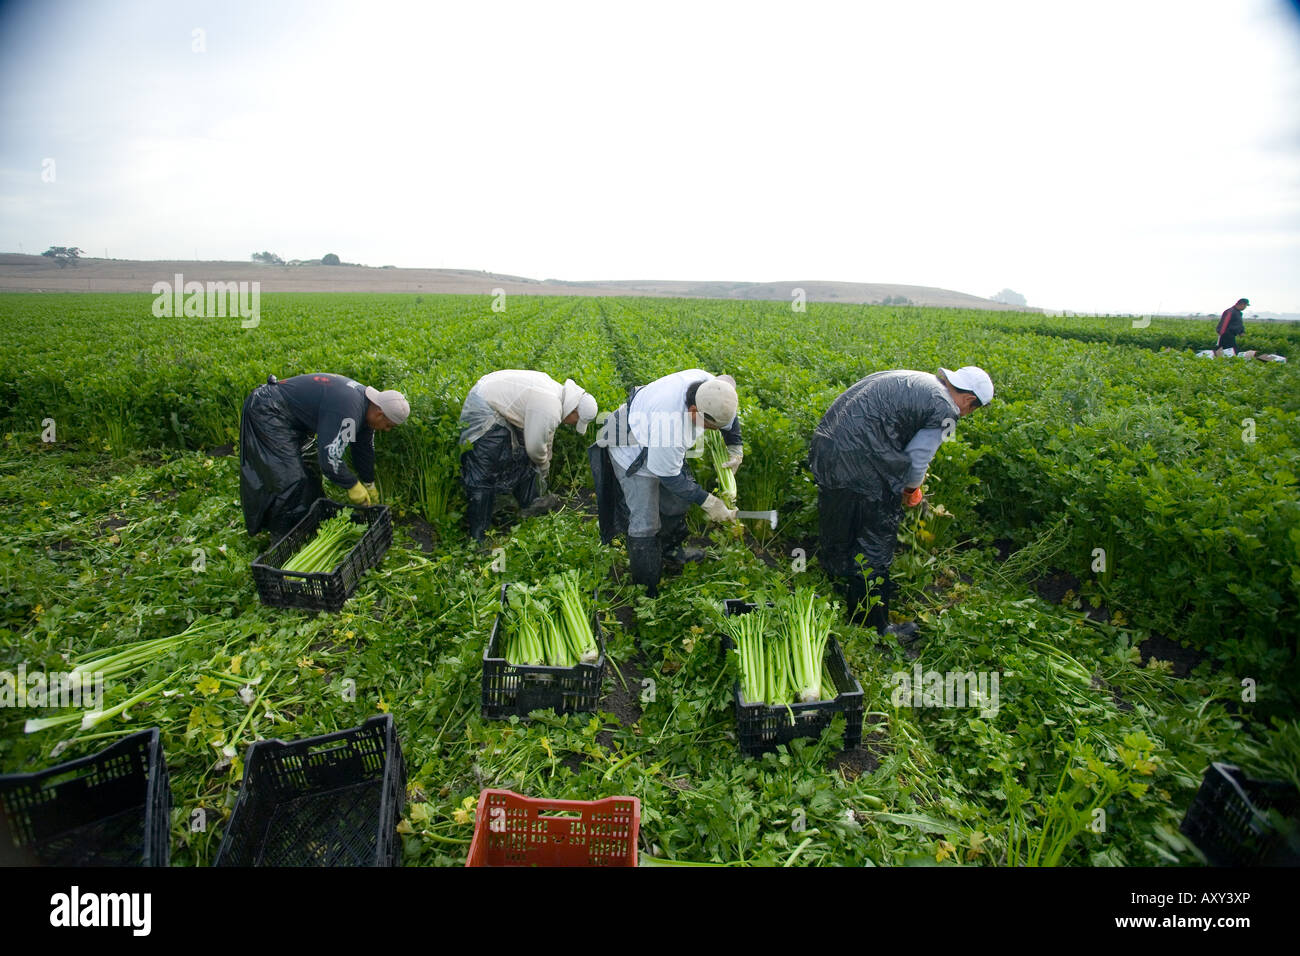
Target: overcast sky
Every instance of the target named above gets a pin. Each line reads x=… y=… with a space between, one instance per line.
x=1110 y=156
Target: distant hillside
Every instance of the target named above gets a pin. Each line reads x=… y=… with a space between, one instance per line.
x=21 y=273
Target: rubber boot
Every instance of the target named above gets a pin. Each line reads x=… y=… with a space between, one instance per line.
x=672 y=534
x=646 y=559
x=480 y=512
x=878 y=617
x=855 y=595
x=527 y=489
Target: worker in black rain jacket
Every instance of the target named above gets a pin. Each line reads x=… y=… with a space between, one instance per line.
x=279 y=478
x=869 y=456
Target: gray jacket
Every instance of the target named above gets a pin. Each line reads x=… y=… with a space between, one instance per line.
x=862 y=441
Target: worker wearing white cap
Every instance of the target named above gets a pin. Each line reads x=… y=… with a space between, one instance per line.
x=869 y=455
x=643 y=485
x=278 y=423
x=510 y=417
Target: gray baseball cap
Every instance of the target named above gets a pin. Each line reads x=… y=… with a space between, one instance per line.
x=391 y=402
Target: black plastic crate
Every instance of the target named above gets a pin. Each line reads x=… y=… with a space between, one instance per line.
x=332 y=800
x=326 y=591
x=519 y=689
x=761 y=728
x=1229 y=821
x=112 y=808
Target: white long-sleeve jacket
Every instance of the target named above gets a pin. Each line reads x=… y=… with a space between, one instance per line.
x=530 y=401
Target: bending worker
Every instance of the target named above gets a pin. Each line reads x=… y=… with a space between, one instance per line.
x=643 y=485
x=869 y=456
x=510 y=417
x=279 y=423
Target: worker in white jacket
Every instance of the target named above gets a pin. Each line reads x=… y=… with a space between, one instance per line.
x=643 y=484
x=510 y=418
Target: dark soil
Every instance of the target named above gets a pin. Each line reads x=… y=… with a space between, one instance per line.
x=626 y=617
x=113 y=524
x=421 y=531
x=221 y=451
x=1097 y=613
x=1161 y=648
x=861 y=759
x=63 y=544
x=1054 y=587
x=574 y=761
x=776 y=552
x=1004 y=548
x=853 y=763
x=623 y=703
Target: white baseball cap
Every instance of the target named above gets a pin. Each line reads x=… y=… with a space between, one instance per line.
x=717 y=399
x=391 y=402
x=573 y=398
x=971 y=378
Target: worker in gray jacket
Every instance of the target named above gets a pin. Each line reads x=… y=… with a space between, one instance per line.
x=510 y=418
x=869 y=456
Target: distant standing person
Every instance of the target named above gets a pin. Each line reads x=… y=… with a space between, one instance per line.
x=1231 y=326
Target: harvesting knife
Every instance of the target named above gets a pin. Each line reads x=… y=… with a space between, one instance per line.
x=768 y=516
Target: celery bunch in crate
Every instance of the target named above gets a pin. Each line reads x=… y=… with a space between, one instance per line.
x=782 y=650
x=334 y=539
x=718 y=457
x=549 y=624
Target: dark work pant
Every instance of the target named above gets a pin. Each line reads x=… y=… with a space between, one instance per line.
x=855 y=525
x=498 y=463
x=277 y=483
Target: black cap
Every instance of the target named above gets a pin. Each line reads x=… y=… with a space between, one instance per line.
x=1243 y=302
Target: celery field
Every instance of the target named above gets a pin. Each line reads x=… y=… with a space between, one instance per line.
x=1116 y=538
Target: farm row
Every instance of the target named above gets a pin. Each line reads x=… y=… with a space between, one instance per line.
x=1089 y=445
x=1181 y=471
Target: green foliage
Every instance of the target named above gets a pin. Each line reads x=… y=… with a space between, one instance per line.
x=1095 y=441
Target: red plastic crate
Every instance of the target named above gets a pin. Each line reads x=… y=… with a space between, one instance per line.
x=513 y=830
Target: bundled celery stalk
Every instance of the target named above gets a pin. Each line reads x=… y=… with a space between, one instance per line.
x=523 y=641
x=550 y=624
x=782 y=649
x=718 y=457
x=334 y=539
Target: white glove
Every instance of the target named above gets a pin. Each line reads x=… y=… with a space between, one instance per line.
x=737 y=456
x=717 y=509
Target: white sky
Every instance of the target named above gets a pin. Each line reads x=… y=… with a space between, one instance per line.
x=1111 y=156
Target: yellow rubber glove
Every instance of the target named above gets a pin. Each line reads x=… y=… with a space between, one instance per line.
x=357 y=494
x=373 y=492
